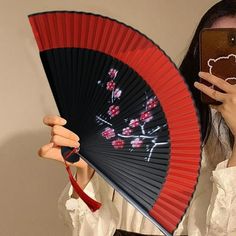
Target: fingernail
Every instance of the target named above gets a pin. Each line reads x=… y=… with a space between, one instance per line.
x=64 y=121
x=75 y=136
x=77 y=144
x=51 y=145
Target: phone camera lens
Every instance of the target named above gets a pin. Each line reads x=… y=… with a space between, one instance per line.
x=232 y=39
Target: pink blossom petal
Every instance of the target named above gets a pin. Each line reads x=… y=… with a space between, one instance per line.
x=118 y=143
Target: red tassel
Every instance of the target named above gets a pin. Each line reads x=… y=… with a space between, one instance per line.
x=91 y=203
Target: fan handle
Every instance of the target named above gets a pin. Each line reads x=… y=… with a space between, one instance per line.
x=91 y=203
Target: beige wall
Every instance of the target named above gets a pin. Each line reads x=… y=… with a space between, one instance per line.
x=31 y=186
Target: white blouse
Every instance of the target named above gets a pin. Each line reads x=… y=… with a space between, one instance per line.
x=212 y=210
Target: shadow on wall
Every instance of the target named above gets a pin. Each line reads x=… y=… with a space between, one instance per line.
x=29 y=182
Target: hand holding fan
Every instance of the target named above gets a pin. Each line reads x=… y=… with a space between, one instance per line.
x=135 y=116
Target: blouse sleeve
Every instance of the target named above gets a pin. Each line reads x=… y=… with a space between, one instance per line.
x=80 y=219
x=221 y=213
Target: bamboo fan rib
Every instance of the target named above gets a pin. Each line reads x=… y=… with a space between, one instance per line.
x=132 y=109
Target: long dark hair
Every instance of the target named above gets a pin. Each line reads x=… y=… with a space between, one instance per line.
x=190 y=65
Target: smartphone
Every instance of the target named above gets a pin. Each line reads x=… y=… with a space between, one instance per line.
x=218 y=57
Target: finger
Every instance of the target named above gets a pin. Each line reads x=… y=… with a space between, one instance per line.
x=220 y=83
x=53 y=120
x=218 y=96
x=64 y=132
x=62 y=141
x=44 y=149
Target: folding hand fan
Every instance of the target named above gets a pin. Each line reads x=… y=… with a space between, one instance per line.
x=132 y=109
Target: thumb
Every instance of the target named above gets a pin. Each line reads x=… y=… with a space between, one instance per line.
x=44 y=149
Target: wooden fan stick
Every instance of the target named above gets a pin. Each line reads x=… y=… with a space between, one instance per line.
x=91 y=203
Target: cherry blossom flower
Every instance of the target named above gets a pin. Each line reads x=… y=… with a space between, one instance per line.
x=151 y=103
x=146 y=116
x=136 y=143
x=108 y=133
x=117 y=93
x=111 y=85
x=127 y=131
x=118 y=143
x=113 y=73
x=113 y=110
x=134 y=123
x=134 y=132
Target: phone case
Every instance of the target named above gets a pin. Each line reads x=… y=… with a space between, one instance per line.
x=218 y=57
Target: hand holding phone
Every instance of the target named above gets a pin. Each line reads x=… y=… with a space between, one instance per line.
x=218 y=57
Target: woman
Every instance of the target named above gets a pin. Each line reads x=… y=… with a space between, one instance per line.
x=212 y=210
